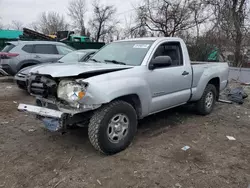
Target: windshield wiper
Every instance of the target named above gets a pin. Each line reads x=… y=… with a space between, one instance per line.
x=115 y=62
x=95 y=60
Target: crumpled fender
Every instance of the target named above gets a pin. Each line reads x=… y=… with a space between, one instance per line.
x=105 y=91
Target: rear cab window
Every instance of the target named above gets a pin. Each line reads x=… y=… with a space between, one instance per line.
x=8 y=47
x=45 y=49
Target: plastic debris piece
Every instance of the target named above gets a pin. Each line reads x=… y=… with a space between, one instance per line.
x=231 y=138
x=14 y=102
x=98 y=181
x=31 y=130
x=225 y=101
x=8 y=87
x=185 y=148
x=178 y=185
x=5 y=122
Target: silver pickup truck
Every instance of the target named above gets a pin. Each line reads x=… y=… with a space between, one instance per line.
x=125 y=81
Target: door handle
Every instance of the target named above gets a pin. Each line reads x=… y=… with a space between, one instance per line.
x=185 y=73
x=37 y=56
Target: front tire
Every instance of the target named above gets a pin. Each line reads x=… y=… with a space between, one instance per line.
x=206 y=104
x=113 y=127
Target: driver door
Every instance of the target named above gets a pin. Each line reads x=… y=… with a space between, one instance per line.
x=170 y=85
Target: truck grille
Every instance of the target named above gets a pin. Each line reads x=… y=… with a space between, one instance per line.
x=42 y=86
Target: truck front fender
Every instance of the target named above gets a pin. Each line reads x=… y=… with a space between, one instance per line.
x=106 y=91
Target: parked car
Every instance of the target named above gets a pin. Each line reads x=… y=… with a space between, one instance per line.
x=72 y=57
x=20 y=54
x=123 y=82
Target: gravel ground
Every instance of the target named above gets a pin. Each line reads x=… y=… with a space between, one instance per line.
x=32 y=157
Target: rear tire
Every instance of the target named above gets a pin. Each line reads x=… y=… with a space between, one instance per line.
x=206 y=104
x=113 y=127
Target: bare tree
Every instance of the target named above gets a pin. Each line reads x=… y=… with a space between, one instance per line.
x=17 y=25
x=77 y=10
x=34 y=26
x=103 y=21
x=169 y=17
x=230 y=22
x=200 y=14
x=51 y=22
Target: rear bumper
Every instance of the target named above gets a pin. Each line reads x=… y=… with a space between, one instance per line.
x=3 y=72
x=6 y=70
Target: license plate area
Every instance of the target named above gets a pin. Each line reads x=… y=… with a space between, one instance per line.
x=52 y=125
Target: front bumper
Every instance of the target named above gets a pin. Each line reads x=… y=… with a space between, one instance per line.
x=53 y=120
x=41 y=111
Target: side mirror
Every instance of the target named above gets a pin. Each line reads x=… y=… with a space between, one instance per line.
x=160 y=61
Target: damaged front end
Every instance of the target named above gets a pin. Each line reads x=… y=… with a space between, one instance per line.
x=59 y=103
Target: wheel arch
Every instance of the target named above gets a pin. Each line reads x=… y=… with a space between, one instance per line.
x=27 y=63
x=134 y=100
x=216 y=82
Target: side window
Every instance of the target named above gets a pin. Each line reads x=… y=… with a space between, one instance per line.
x=28 y=48
x=171 y=49
x=45 y=49
x=63 y=50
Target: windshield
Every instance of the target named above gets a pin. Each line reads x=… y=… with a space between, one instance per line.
x=75 y=56
x=128 y=53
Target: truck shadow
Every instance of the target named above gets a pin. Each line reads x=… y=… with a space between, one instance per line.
x=154 y=123
x=165 y=119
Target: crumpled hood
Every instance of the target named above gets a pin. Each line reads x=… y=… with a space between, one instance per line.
x=57 y=70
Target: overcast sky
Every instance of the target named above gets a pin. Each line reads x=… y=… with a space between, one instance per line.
x=27 y=11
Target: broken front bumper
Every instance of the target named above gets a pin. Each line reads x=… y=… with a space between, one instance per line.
x=53 y=120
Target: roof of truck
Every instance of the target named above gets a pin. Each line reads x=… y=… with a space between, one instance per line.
x=152 y=38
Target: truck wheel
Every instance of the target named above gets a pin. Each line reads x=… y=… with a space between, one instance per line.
x=113 y=127
x=206 y=104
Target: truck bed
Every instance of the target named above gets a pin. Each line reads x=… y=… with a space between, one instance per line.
x=202 y=71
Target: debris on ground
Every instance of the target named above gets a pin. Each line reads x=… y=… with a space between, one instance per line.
x=185 y=148
x=237 y=95
x=246 y=84
x=8 y=87
x=231 y=138
x=59 y=182
x=225 y=101
x=98 y=181
x=14 y=102
x=70 y=159
x=5 y=122
x=31 y=130
x=178 y=185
